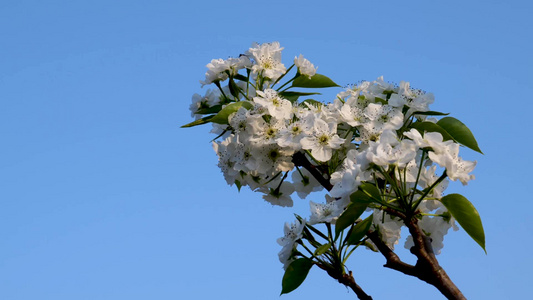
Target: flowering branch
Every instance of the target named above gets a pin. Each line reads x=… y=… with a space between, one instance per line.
x=427 y=267
x=376 y=150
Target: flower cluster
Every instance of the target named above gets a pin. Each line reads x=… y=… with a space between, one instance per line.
x=373 y=133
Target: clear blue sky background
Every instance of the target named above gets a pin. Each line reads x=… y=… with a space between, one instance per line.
x=103 y=196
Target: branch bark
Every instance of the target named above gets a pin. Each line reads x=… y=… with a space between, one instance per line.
x=427 y=264
x=348 y=280
x=300 y=160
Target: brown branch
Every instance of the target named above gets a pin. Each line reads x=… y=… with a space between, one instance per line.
x=427 y=264
x=348 y=280
x=300 y=160
x=427 y=267
x=393 y=260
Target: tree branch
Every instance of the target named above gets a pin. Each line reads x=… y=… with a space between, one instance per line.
x=393 y=261
x=300 y=160
x=427 y=264
x=427 y=267
x=348 y=280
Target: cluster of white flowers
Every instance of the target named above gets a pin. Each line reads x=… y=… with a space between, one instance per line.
x=366 y=128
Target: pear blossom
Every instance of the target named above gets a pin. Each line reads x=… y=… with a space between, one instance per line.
x=323 y=140
x=326 y=212
x=267 y=58
x=218 y=69
x=345 y=182
x=280 y=196
x=383 y=116
x=389 y=228
x=277 y=107
x=304 y=66
x=264 y=133
x=456 y=167
x=305 y=183
x=225 y=151
x=390 y=150
x=428 y=177
x=272 y=159
x=364 y=136
x=209 y=99
x=292 y=233
x=292 y=135
x=352 y=114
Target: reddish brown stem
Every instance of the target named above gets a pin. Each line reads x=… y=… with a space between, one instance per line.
x=348 y=280
x=427 y=264
x=300 y=160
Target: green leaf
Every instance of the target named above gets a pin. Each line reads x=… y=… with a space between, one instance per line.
x=371 y=246
x=430 y=113
x=201 y=121
x=222 y=116
x=466 y=214
x=322 y=249
x=431 y=127
x=238 y=184
x=359 y=231
x=311 y=102
x=317 y=81
x=360 y=197
x=380 y=100
x=210 y=110
x=353 y=211
x=240 y=77
x=233 y=88
x=293 y=96
x=371 y=191
x=295 y=275
x=459 y=132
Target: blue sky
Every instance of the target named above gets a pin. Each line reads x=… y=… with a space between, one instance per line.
x=103 y=196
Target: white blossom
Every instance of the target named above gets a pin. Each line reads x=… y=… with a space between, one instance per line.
x=304 y=66
x=292 y=233
x=267 y=59
x=323 y=140
x=325 y=212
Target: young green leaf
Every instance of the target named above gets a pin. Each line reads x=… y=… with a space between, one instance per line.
x=372 y=191
x=293 y=96
x=380 y=100
x=431 y=127
x=466 y=214
x=201 y=121
x=322 y=249
x=222 y=116
x=353 y=211
x=459 y=132
x=209 y=110
x=311 y=102
x=317 y=81
x=238 y=184
x=295 y=275
x=430 y=113
x=233 y=88
x=240 y=77
x=360 y=197
x=359 y=231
